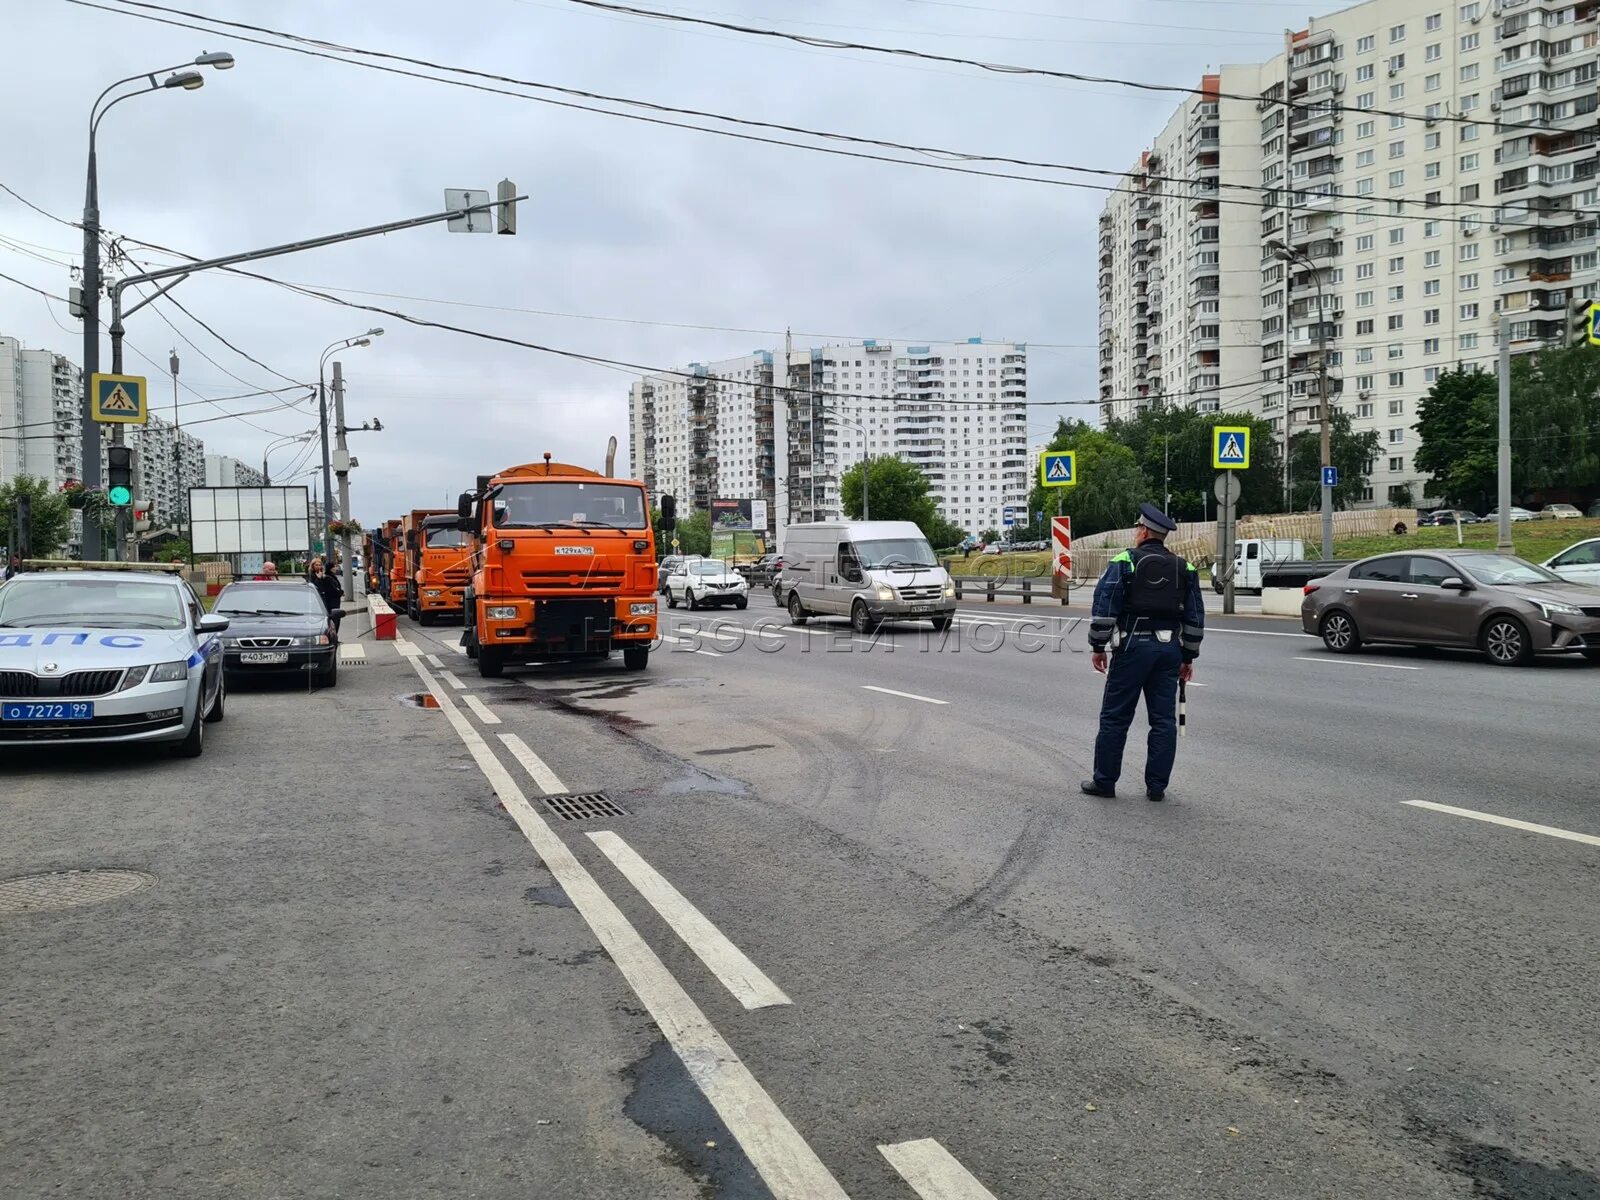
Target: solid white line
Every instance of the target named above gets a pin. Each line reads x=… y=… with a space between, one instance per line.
x=433 y=661
x=453 y=681
x=352 y=652
x=1257 y=632
x=790 y=1168
x=708 y=653
x=405 y=647
x=933 y=1172
x=481 y=710
x=1587 y=839
x=1340 y=662
x=903 y=695
x=533 y=765
x=750 y=987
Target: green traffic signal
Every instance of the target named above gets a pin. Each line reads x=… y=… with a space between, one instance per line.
x=121 y=497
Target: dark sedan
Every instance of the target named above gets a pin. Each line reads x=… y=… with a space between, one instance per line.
x=1508 y=608
x=278 y=628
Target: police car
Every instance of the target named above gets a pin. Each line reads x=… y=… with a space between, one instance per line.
x=105 y=656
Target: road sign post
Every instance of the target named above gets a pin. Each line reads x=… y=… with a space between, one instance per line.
x=1330 y=477
x=1227 y=493
x=1061 y=557
x=119 y=399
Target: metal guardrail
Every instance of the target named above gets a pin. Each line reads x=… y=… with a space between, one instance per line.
x=990 y=586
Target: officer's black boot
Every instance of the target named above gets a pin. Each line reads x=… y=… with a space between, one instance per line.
x=1090 y=788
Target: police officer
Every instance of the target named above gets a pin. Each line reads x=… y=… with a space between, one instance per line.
x=1148 y=608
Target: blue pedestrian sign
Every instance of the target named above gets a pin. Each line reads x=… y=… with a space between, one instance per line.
x=118 y=399
x=1058 y=468
x=1230 y=447
x=1330 y=476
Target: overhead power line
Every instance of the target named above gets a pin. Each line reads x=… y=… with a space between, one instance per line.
x=1012 y=69
x=949 y=160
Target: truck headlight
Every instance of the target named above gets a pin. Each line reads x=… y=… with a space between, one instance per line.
x=643 y=609
x=950 y=590
x=501 y=613
x=169 y=672
x=885 y=592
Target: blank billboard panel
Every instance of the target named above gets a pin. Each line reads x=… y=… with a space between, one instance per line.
x=250 y=520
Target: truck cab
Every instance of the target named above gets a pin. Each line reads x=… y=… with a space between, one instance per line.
x=564 y=567
x=442 y=567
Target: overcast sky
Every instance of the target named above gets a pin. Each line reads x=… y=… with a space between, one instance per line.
x=630 y=228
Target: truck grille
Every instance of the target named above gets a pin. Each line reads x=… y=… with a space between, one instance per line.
x=78 y=683
x=588 y=581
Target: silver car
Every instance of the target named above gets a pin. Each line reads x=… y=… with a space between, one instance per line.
x=103 y=656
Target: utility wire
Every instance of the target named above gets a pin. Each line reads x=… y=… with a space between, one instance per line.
x=318 y=48
x=30 y=204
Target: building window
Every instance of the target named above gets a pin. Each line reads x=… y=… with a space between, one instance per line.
x=1367 y=100
x=1469 y=72
x=1469 y=312
x=1364 y=158
x=1397 y=437
x=1365 y=45
x=1397 y=33
x=1364 y=354
x=1397 y=149
x=1397 y=379
x=1431 y=171
x=1364 y=72
x=1363 y=243
x=1430 y=316
x=1396 y=350
x=1433 y=22
x=1469 y=162
x=1397 y=321
x=1397 y=293
x=1469 y=42
x=1430 y=287
x=1363 y=299
x=1397 y=91
x=1364 y=270
x=1430 y=345
x=1430 y=258
x=1468 y=282
x=1366 y=129
x=1469 y=252
x=1397 y=462
x=1397 y=265
x=1469 y=341
x=1430 y=141
x=1431 y=375
x=1397 y=408
x=1469 y=12
x=1363 y=328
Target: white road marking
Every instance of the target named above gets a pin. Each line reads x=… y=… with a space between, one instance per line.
x=1587 y=839
x=747 y=982
x=352 y=652
x=481 y=710
x=933 y=1172
x=903 y=695
x=433 y=661
x=790 y=1168
x=405 y=647
x=453 y=681
x=1342 y=662
x=1258 y=632
x=535 y=766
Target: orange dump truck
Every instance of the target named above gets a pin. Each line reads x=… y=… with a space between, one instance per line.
x=565 y=567
x=441 y=566
x=393 y=578
x=404 y=576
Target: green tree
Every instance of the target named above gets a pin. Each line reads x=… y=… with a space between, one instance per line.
x=898 y=491
x=943 y=534
x=1110 y=484
x=50 y=523
x=1458 y=442
x=989 y=536
x=694 y=533
x=1351 y=452
x=1173 y=449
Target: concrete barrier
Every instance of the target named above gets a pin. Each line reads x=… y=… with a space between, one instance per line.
x=1281 y=601
x=383 y=623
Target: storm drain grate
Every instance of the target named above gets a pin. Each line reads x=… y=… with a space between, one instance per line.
x=584 y=806
x=67 y=889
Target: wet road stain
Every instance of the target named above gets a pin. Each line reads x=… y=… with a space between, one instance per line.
x=739 y=749
x=666 y=1104
x=555 y=896
x=700 y=781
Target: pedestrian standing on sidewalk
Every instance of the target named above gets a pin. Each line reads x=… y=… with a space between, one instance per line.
x=330 y=591
x=1149 y=611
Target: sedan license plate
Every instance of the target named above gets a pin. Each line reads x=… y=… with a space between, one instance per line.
x=74 y=710
x=264 y=658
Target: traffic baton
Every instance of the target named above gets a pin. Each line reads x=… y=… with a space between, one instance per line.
x=1183 y=708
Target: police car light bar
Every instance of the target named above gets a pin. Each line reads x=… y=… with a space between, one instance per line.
x=72 y=564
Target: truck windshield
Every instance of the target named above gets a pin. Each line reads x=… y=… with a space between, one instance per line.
x=446 y=539
x=569 y=503
x=890 y=553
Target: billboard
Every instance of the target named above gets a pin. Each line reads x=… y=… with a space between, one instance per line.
x=731 y=514
x=736 y=545
x=250 y=520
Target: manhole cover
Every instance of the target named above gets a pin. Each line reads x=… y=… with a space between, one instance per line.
x=583 y=806
x=67 y=889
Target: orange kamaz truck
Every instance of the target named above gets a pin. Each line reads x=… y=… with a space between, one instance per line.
x=441 y=566
x=391 y=577
x=403 y=578
x=564 y=567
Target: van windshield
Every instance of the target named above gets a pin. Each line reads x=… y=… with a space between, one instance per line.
x=891 y=553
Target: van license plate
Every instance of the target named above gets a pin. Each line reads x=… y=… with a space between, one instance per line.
x=73 y=711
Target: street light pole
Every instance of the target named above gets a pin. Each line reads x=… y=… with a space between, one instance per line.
x=364 y=339
x=1504 y=466
x=346 y=571
x=93 y=546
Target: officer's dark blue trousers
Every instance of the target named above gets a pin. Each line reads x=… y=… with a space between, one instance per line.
x=1142 y=665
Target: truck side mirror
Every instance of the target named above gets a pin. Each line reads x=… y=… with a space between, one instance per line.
x=464 y=512
x=669 y=512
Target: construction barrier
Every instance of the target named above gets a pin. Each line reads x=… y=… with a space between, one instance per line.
x=383 y=622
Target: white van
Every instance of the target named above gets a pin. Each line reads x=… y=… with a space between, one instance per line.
x=869 y=571
x=1250 y=555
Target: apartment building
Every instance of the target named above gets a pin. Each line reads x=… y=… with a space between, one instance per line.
x=1385 y=246
x=40 y=429
x=222 y=471
x=761 y=428
x=169 y=462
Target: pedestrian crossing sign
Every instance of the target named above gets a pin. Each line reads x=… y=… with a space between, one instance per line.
x=1230 y=447
x=1058 y=468
x=118 y=399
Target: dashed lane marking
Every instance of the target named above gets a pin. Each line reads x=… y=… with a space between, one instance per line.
x=406 y=648
x=747 y=982
x=783 y=1159
x=481 y=710
x=933 y=1172
x=453 y=681
x=1342 y=662
x=352 y=652
x=535 y=766
x=1587 y=839
x=903 y=695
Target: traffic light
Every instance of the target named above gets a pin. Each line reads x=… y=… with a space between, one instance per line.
x=119 y=475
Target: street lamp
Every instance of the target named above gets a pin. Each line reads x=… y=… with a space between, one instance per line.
x=293 y=439
x=1287 y=254
x=180 y=79
x=361 y=339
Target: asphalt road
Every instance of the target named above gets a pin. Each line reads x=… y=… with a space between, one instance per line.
x=852 y=901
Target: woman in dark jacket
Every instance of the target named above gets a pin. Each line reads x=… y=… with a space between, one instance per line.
x=328 y=588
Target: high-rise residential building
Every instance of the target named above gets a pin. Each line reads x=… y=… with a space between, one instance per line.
x=40 y=427
x=1365 y=205
x=751 y=428
x=168 y=463
x=222 y=471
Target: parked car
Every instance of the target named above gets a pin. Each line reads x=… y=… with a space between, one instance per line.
x=108 y=656
x=1578 y=563
x=1505 y=606
x=1517 y=514
x=1450 y=516
x=1560 y=512
x=705 y=581
x=1593 y=510
x=279 y=628
x=666 y=567
x=761 y=571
